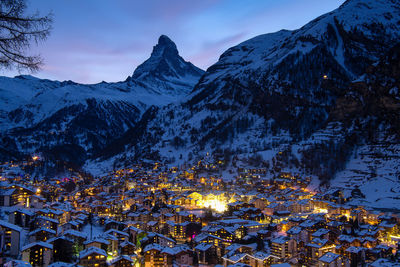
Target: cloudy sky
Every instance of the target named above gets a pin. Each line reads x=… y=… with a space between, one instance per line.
x=104 y=40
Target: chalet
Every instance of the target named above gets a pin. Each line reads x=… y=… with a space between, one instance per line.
x=152 y=226
x=331 y=259
x=127 y=248
x=206 y=254
x=93 y=256
x=283 y=247
x=97 y=242
x=36 y=202
x=122 y=236
x=23 y=194
x=8 y=197
x=262 y=259
x=71 y=225
x=113 y=244
x=177 y=230
x=41 y=234
x=59 y=215
x=160 y=239
x=259 y=203
x=133 y=232
x=60 y=242
x=356 y=255
x=316 y=248
x=21 y=217
x=321 y=233
x=183 y=256
x=9 y=238
x=243 y=259
x=155 y=255
x=122 y=261
x=45 y=222
x=38 y=253
x=294 y=233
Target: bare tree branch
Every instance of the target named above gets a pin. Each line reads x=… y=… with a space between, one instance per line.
x=17 y=32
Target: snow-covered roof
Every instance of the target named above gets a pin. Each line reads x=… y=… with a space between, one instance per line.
x=121 y=257
x=384 y=263
x=40 y=243
x=10 y=226
x=203 y=246
x=47 y=219
x=75 y=233
x=92 y=250
x=97 y=240
x=42 y=229
x=329 y=257
x=280 y=240
x=17 y=263
x=62 y=264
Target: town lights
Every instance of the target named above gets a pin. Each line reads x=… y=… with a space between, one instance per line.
x=215 y=204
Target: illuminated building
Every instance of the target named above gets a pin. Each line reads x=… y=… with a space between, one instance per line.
x=38 y=254
x=8 y=197
x=21 y=217
x=283 y=247
x=9 y=238
x=122 y=261
x=316 y=248
x=93 y=256
x=330 y=259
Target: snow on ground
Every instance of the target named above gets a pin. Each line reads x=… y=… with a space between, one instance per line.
x=375 y=170
x=99 y=168
x=97 y=230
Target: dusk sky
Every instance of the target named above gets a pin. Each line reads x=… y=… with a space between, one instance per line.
x=96 y=40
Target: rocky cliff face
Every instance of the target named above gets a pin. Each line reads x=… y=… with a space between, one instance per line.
x=166 y=72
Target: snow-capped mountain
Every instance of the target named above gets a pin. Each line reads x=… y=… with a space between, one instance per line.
x=280 y=97
x=322 y=101
x=38 y=114
x=165 y=71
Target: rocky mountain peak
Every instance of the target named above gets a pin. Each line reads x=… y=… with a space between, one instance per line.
x=165 y=63
x=165 y=47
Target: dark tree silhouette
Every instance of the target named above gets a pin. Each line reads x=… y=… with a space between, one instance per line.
x=17 y=31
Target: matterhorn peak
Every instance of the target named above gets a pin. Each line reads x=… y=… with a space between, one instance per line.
x=165 y=64
x=165 y=48
x=164 y=40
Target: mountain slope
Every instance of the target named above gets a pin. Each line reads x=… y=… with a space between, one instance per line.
x=282 y=96
x=38 y=114
x=373 y=166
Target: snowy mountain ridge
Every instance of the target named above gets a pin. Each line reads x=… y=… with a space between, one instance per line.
x=302 y=101
x=32 y=108
x=287 y=98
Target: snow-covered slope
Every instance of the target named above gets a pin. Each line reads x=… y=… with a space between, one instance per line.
x=289 y=92
x=375 y=170
x=38 y=113
x=357 y=28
